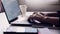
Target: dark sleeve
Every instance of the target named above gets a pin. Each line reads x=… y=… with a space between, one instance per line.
x=58 y=12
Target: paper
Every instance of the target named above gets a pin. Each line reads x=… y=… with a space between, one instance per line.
x=44 y=31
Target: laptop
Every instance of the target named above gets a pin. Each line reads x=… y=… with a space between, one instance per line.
x=12 y=11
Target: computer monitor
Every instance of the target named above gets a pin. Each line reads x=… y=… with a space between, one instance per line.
x=12 y=9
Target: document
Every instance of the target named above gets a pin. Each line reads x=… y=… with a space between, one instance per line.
x=44 y=31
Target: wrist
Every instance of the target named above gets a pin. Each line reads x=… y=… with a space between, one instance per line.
x=45 y=18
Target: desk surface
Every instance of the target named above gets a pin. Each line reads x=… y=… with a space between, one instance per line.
x=27 y=29
x=21 y=29
x=32 y=30
x=23 y=20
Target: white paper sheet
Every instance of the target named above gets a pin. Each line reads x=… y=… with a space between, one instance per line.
x=44 y=31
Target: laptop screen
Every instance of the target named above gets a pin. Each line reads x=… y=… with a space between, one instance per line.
x=11 y=8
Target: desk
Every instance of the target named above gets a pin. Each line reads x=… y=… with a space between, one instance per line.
x=3 y=22
x=23 y=20
x=19 y=29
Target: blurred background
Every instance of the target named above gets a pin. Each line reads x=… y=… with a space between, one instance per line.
x=41 y=5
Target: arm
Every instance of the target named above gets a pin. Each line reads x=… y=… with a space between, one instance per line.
x=51 y=14
x=45 y=19
x=52 y=20
x=42 y=18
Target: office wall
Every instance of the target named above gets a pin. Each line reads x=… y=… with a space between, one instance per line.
x=41 y=5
